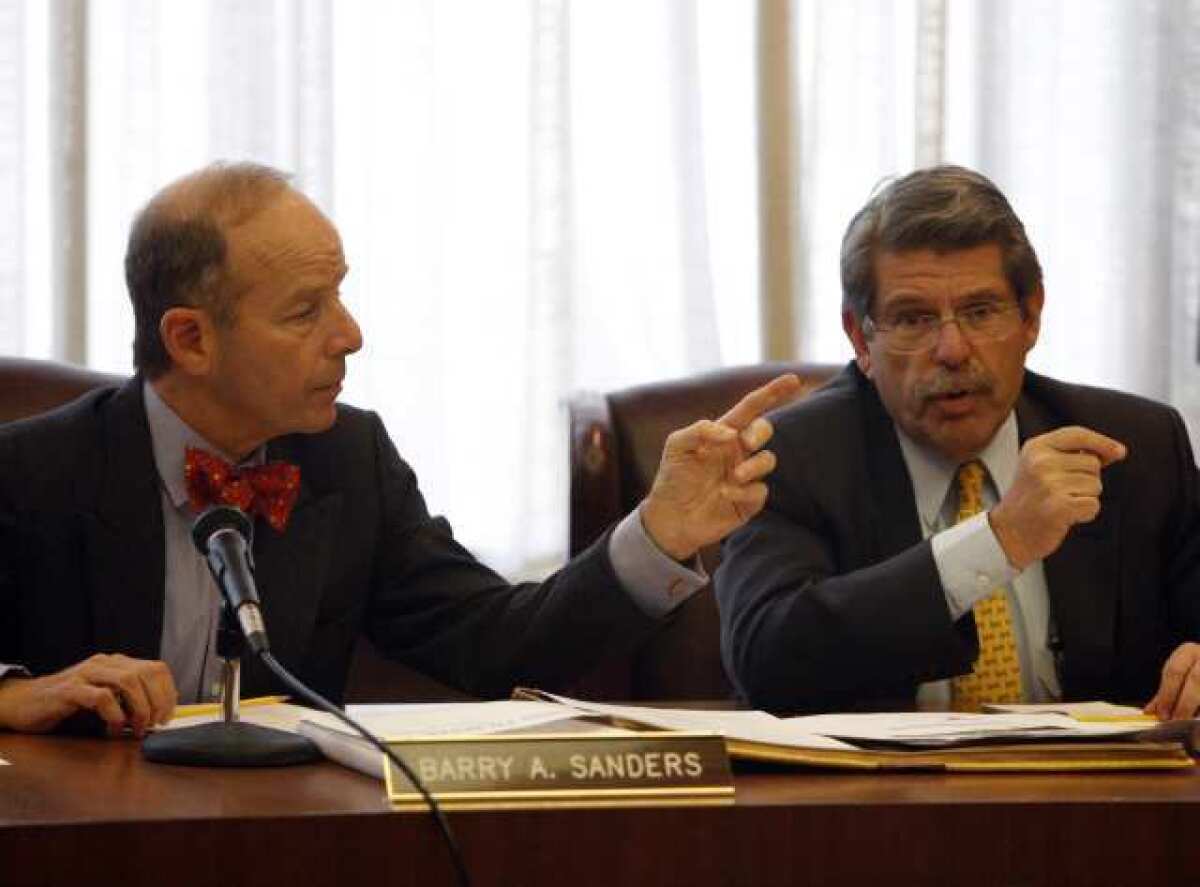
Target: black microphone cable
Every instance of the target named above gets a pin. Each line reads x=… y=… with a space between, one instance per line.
x=233 y=571
x=324 y=704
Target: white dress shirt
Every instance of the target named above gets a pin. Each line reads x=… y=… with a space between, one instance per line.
x=971 y=562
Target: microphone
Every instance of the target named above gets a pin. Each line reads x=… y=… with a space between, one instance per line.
x=222 y=533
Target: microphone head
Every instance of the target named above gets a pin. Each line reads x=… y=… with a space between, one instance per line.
x=219 y=517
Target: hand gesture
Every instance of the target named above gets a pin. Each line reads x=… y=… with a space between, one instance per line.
x=1057 y=486
x=124 y=692
x=709 y=481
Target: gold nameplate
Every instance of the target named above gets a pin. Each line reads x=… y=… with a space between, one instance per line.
x=562 y=769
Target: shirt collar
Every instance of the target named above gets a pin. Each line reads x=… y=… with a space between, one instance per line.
x=932 y=473
x=170 y=436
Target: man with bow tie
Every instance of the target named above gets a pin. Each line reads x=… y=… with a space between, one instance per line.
x=241 y=340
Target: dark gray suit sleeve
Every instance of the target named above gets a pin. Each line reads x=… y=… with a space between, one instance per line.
x=830 y=599
x=436 y=608
x=799 y=633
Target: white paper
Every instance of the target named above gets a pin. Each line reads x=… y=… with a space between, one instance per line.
x=448 y=718
x=747 y=726
x=925 y=728
x=404 y=719
x=1072 y=709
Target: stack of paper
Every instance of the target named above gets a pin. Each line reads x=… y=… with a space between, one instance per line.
x=1026 y=739
x=918 y=740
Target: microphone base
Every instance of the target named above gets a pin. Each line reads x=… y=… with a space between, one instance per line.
x=236 y=744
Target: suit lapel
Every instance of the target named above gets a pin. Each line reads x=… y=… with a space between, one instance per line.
x=1082 y=577
x=892 y=503
x=290 y=570
x=124 y=536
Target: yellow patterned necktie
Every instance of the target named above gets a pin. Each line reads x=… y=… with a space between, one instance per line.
x=996 y=676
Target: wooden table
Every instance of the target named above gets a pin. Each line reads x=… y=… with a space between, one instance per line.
x=91 y=811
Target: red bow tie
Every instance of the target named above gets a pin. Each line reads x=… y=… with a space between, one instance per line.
x=268 y=490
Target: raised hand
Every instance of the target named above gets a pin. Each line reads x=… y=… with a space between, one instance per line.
x=1057 y=486
x=709 y=481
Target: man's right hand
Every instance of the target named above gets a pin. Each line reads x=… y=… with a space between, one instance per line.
x=1057 y=486
x=123 y=692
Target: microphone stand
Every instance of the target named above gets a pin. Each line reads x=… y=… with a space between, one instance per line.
x=229 y=742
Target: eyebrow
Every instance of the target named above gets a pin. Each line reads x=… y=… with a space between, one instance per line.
x=306 y=291
x=906 y=299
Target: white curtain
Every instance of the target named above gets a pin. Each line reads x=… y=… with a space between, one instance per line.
x=1087 y=114
x=535 y=196
x=542 y=195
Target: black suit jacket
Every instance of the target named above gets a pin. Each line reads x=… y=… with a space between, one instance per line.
x=830 y=599
x=82 y=562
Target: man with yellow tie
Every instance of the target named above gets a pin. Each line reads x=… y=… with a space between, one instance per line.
x=947 y=529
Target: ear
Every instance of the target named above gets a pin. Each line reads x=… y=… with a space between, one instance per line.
x=858 y=339
x=1032 y=318
x=188 y=336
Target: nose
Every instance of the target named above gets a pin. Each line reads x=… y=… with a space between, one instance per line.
x=952 y=347
x=346 y=337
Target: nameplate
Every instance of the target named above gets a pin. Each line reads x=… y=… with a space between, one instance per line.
x=562 y=769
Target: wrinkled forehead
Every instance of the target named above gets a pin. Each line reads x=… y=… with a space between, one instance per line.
x=289 y=237
x=940 y=274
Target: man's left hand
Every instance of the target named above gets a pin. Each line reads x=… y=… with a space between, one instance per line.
x=709 y=481
x=1178 y=696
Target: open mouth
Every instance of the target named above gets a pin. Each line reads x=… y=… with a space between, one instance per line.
x=956 y=402
x=955 y=395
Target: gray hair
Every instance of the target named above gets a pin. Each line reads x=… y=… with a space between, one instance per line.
x=942 y=208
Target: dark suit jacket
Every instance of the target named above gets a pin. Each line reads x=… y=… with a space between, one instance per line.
x=830 y=599
x=82 y=562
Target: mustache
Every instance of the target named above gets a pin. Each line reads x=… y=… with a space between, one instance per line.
x=972 y=379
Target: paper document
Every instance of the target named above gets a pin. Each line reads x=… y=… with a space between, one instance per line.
x=447 y=718
x=948 y=728
x=1080 y=711
x=280 y=715
x=409 y=719
x=838 y=731
x=339 y=743
x=748 y=726
x=214 y=708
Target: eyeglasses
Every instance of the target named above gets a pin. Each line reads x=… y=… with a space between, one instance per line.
x=911 y=330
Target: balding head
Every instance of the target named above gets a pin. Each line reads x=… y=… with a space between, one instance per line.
x=178 y=249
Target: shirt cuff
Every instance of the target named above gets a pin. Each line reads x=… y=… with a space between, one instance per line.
x=13 y=671
x=971 y=563
x=656 y=582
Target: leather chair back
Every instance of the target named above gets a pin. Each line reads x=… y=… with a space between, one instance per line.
x=29 y=387
x=615 y=445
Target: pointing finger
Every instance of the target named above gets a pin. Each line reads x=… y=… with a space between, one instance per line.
x=775 y=393
x=1075 y=438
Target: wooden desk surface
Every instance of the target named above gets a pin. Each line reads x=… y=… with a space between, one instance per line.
x=90 y=811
